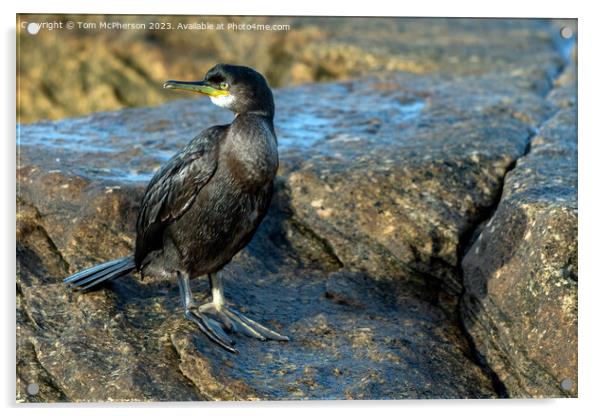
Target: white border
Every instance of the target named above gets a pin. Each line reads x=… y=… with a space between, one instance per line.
x=590 y=189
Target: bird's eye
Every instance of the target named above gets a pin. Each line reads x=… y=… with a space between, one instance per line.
x=224 y=85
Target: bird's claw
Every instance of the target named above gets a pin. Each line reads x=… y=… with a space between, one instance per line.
x=232 y=321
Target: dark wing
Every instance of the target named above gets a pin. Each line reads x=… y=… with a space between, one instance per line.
x=174 y=188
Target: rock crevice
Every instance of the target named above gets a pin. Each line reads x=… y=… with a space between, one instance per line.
x=489 y=309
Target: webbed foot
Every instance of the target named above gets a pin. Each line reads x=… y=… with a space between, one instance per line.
x=211 y=329
x=216 y=317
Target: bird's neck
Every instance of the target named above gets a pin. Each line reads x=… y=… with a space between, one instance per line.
x=252 y=127
x=253 y=146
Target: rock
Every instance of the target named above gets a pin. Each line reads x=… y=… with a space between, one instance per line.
x=382 y=181
x=520 y=305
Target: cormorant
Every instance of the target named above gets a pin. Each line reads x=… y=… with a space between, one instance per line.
x=204 y=205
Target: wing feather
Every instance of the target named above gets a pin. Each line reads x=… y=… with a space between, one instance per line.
x=174 y=188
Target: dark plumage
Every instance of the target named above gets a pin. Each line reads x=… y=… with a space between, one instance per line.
x=204 y=205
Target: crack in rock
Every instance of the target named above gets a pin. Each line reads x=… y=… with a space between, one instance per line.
x=507 y=285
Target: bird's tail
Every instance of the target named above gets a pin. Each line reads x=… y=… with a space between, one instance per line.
x=88 y=278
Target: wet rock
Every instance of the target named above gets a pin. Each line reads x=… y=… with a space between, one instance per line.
x=520 y=305
x=382 y=180
x=396 y=190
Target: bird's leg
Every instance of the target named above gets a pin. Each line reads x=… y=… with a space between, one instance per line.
x=207 y=325
x=233 y=320
x=217 y=303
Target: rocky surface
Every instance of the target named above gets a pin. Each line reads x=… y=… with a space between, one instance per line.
x=383 y=181
x=520 y=305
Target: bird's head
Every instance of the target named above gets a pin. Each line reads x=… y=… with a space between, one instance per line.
x=238 y=88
